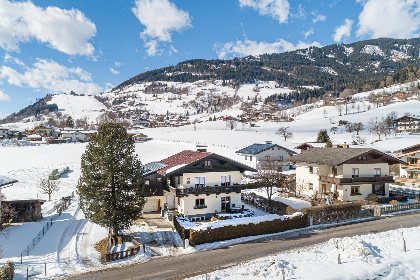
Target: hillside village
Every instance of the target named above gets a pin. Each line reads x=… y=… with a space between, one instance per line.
x=358 y=156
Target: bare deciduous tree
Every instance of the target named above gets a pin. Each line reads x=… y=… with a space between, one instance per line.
x=270 y=179
x=48 y=187
x=285 y=133
x=339 y=108
x=231 y=123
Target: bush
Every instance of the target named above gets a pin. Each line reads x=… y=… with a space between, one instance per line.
x=393 y=202
x=183 y=233
x=333 y=213
x=7 y=271
x=372 y=197
x=230 y=232
x=399 y=198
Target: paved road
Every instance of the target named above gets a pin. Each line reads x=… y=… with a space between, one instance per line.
x=183 y=266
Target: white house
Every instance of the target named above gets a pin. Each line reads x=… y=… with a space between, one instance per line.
x=74 y=136
x=410 y=172
x=256 y=154
x=195 y=183
x=353 y=173
x=4 y=131
x=408 y=124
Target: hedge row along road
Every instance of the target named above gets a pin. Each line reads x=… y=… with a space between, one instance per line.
x=179 y=267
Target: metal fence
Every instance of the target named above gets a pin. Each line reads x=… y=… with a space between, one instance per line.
x=396 y=208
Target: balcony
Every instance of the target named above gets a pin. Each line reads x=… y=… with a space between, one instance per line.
x=408 y=180
x=200 y=206
x=208 y=190
x=411 y=166
x=356 y=180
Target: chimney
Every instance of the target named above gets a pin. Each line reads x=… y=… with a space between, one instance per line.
x=201 y=148
x=269 y=142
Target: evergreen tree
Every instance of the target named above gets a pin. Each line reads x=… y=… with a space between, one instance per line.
x=69 y=122
x=328 y=144
x=111 y=185
x=323 y=136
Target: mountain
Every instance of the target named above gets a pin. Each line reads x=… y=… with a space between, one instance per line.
x=332 y=67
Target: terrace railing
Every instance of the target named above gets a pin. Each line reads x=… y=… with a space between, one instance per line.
x=355 y=180
x=209 y=190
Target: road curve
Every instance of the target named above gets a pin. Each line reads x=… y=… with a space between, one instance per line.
x=188 y=265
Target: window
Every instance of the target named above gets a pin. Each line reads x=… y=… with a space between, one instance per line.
x=355 y=190
x=246 y=157
x=280 y=158
x=379 y=189
x=225 y=181
x=147 y=182
x=355 y=172
x=311 y=169
x=179 y=201
x=267 y=158
x=250 y=158
x=334 y=171
x=188 y=180
x=200 y=182
x=311 y=186
x=207 y=163
x=362 y=158
x=377 y=172
x=200 y=203
x=159 y=180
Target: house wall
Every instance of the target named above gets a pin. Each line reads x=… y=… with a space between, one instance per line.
x=211 y=178
x=365 y=170
x=213 y=203
x=151 y=204
x=275 y=154
x=403 y=172
x=365 y=189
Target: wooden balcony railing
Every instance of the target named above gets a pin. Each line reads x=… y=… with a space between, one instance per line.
x=209 y=190
x=408 y=180
x=356 y=180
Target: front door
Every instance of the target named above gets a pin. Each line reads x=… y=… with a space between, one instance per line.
x=158 y=206
x=225 y=203
x=324 y=188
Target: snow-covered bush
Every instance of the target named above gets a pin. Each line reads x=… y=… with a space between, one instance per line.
x=7 y=271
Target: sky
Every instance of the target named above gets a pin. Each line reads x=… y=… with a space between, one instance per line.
x=91 y=46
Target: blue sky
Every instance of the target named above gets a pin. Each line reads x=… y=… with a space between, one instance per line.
x=91 y=46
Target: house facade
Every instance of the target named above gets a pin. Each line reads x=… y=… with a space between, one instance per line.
x=353 y=173
x=4 y=131
x=410 y=172
x=256 y=154
x=194 y=183
x=408 y=124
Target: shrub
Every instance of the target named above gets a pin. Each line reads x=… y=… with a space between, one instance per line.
x=183 y=233
x=230 y=232
x=7 y=271
x=372 y=197
x=393 y=202
x=399 y=198
x=333 y=213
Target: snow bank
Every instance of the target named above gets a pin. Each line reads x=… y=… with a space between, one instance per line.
x=15 y=143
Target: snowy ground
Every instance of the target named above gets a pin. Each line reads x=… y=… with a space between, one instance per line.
x=68 y=246
x=373 y=256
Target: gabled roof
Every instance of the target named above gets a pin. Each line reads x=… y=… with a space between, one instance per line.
x=258 y=148
x=152 y=167
x=407 y=118
x=181 y=159
x=338 y=156
x=416 y=146
x=409 y=154
x=4 y=181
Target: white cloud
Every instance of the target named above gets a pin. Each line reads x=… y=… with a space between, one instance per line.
x=51 y=76
x=307 y=33
x=67 y=31
x=113 y=71
x=277 y=9
x=161 y=18
x=9 y=58
x=118 y=64
x=389 y=18
x=248 y=47
x=318 y=17
x=4 y=97
x=343 y=32
x=301 y=13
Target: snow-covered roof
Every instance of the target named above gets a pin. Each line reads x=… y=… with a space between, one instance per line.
x=258 y=148
x=4 y=181
x=152 y=167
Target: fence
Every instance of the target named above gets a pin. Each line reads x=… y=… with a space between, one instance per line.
x=396 y=208
x=114 y=256
x=60 y=208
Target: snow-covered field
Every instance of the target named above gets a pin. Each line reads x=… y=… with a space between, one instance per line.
x=373 y=256
x=68 y=246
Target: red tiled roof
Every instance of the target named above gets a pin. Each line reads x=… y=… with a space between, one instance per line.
x=184 y=157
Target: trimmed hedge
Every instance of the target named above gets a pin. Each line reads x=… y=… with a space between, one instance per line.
x=398 y=198
x=334 y=213
x=7 y=271
x=183 y=233
x=231 y=232
x=273 y=206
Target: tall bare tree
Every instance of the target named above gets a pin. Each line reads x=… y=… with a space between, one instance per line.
x=48 y=187
x=285 y=133
x=270 y=179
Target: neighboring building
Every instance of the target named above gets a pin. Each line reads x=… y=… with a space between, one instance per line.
x=28 y=210
x=307 y=146
x=34 y=137
x=408 y=149
x=196 y=183
x=141 y=137
x=256 y=154
x=74 y=136
x=408 y=124
x=353 y=173
x=410 y=172
x=45 y=130
x=4 y=131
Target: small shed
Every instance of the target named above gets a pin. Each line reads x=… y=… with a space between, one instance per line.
x=28 y=210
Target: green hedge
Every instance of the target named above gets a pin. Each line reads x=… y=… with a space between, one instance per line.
x=334 y=213
x=7 y=271
x=230 y=232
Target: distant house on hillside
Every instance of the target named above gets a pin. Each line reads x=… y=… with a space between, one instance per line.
x=195 y=183
x=141 y=137
x=4 y=131
x=45 y=130
x=256 y=154
x=410 y=172
x=353 y=173
x=307 y=146
x=34 y=137
x=408 y=124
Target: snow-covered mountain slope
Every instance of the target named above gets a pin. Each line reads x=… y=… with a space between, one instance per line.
x=78 y=107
